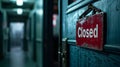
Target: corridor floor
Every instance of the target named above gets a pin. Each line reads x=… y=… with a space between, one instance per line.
x=17 y=58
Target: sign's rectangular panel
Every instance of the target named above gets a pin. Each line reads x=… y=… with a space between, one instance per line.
x=89 y=32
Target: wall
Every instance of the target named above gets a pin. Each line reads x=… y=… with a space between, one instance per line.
x=40 y=46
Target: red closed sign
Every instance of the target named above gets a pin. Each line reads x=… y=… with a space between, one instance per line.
x=89 y=32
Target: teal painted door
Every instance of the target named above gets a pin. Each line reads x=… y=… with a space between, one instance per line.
x=83 y=57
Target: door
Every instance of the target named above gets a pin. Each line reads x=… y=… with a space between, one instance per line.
x=82 y=56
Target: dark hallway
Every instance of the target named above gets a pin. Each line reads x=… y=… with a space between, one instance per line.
x=17 y=57
x=25 y=26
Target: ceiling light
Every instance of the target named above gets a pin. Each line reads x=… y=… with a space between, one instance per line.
x=19 y=2
x=19 y=11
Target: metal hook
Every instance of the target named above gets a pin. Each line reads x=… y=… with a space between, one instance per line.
x=90 y=8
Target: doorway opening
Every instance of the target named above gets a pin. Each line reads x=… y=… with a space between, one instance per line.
x=16 y=34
